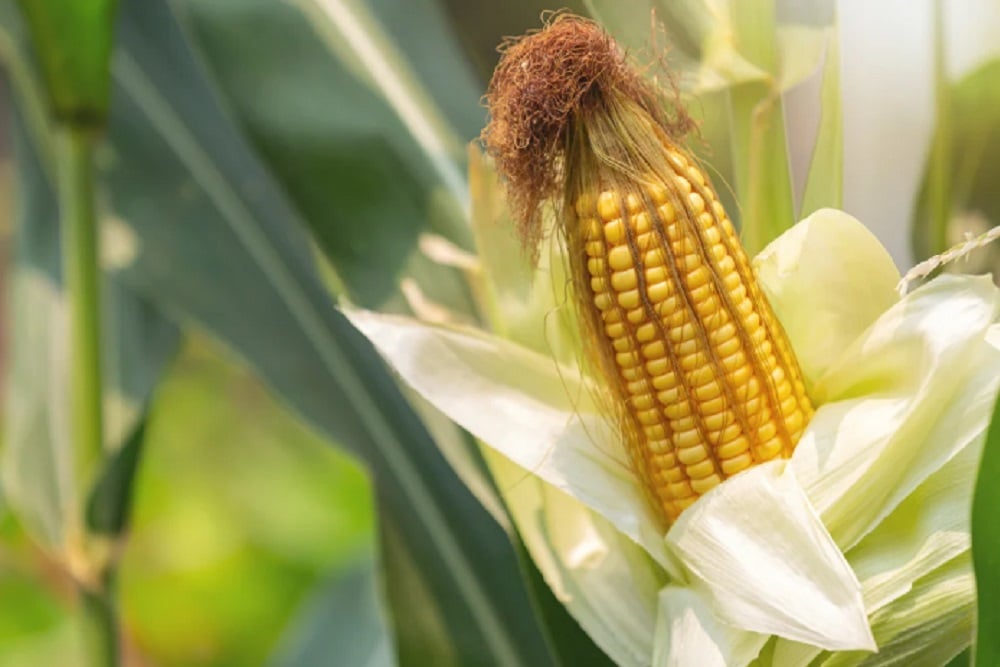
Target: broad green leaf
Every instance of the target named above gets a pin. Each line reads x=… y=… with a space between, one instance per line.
x=339 y=624
x=217 y=244
x=986 y=548
x=37 y=457
x=72 y=41
x=358 y=144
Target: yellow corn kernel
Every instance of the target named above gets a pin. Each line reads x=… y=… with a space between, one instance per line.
x=705 y=484
x=620 y=258
x=708 y=380
x=624 y=280
x=645 y=332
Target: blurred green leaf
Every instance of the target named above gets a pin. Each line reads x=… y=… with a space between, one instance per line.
x=364 y=152
x=986 y=548
x=37 y=456
x=479 y=26
x=215 y=242
x=825 y=183
x=340 y=624
x=969 y=125
x=110 y=502
x=240 y=511
x=72 y=41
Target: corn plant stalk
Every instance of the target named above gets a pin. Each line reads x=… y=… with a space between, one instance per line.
x=80 y=274
x=935 y=237
x=100 y=623
x=81 y=278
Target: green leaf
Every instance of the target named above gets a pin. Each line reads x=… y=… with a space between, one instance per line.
x=217 y=244
x=110 y=502
x=72 y=41
x=340 y=624
x=986 y=548
x=38 y=458
x=365 y=152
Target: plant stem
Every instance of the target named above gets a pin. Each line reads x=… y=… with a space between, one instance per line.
x=81 y=280
x=939 y=180
x=100 y=624
x=81 y=277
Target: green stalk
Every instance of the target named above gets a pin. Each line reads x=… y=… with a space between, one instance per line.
x=100 y=624
x=81 y=277
x=939 y=193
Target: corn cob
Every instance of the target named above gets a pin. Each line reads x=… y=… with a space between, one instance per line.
x=702 y=380
x=702 y=369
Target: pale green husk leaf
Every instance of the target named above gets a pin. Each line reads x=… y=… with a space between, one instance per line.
x=872 y=506
x=686 y=627
x=756 y=550
x=607 y=581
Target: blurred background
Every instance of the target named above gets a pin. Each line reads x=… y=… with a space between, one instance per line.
x=257 y=144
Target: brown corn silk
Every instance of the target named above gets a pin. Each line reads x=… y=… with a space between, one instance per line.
x=700 y=374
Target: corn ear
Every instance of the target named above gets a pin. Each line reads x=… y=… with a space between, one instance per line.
x=705 y=378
